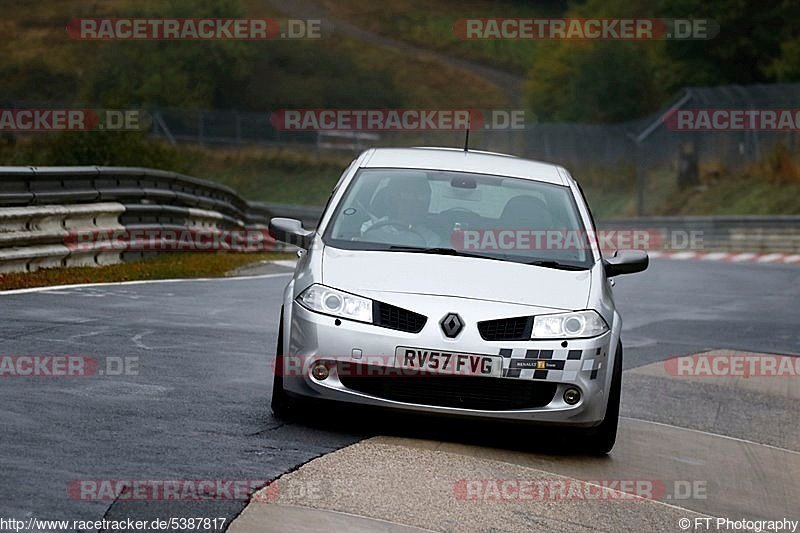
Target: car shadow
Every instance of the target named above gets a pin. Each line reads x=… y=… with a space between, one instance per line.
x=512 y=436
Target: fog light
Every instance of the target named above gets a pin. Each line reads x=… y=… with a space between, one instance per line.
x=320 y=371
x=572 y=396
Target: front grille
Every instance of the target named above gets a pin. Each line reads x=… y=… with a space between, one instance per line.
x=389 y=316
x=466 y=392
x=507 y=329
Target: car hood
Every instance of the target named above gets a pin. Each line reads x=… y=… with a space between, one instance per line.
x=465 y=277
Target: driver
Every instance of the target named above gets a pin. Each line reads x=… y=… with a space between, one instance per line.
x=406 y=201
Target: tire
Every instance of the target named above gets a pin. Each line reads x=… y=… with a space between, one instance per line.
x=600 y=439
x=283 y=405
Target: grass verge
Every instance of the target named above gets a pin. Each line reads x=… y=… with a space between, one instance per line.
x=744 y=196
x=165 y=266
x=740 y=195
x=281 y=175
x=430 y=25
x=39 y=62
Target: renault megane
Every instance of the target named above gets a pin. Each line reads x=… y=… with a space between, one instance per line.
x=458 y=283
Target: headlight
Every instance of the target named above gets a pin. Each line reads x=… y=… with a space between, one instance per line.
x=568 y=325
x=336 y=303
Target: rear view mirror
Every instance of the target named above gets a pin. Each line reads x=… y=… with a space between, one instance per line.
x=290 y=231
x=626 y=262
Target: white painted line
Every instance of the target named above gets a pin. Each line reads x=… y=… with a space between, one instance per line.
x=745 y=441
x=139 y=282
x=726 y=256
x=290 y=263
x=715 y=256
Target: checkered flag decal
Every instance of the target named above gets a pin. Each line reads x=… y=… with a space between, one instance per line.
x=552 y=365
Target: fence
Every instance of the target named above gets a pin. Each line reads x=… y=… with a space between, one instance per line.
x=573 y=144
x=643 y=158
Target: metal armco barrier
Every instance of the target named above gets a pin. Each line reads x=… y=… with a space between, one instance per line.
x=34 y=237
x=729 y=233
x=41 y=208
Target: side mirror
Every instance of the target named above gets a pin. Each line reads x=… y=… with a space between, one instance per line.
x=290 y=231
x=626 y=262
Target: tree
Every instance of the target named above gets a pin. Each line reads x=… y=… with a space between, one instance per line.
x=597 y=81
x=745 y=51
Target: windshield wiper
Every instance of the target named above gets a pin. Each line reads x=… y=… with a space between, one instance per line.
x=452 y=251
x=437 y=250
x=555 y=264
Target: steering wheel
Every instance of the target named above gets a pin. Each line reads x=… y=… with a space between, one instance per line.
x=459 y=209
x=398 y=225
x=454 y=211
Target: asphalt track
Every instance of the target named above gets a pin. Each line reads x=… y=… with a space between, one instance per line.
x=198 y=409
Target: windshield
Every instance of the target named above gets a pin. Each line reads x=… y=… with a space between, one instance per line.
x=495 y=217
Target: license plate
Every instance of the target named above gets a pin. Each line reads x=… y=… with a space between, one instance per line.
x=440 y=362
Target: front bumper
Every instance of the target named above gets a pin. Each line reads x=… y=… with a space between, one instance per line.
x=583 y=363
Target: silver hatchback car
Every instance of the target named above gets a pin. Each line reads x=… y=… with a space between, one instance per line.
x=457 y=283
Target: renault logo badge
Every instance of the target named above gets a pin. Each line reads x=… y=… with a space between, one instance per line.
x=452 y=325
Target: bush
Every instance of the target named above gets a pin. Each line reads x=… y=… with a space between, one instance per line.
x=94 y=148
x=782 y=167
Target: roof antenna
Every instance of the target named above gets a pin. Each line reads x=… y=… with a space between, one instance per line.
x=466 y=139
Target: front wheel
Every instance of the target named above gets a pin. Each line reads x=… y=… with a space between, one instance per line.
x=600 y=439
x=283 y=405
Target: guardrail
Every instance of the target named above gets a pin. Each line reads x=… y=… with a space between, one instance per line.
x=43 y=208
x=728 y=233
x=34 y=237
